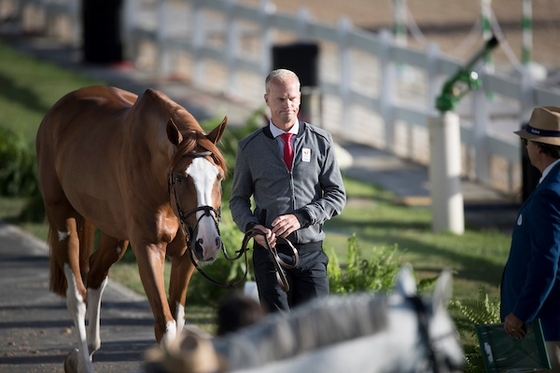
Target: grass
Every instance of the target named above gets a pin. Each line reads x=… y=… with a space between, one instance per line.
x=28 y=88
x=476 y=257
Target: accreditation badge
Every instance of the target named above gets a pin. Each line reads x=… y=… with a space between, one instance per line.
x=306 y=155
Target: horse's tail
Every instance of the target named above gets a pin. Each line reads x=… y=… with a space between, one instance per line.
x=58 y=283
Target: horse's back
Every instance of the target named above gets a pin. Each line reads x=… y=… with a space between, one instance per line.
x=79 y=107
x=78 y=141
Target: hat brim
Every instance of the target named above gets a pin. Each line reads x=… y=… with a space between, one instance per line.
x=533 y=137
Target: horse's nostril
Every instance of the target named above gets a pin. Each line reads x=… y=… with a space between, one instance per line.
x=198 y=249
x=218 y=242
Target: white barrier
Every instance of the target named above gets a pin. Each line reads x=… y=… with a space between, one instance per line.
x=225 y=46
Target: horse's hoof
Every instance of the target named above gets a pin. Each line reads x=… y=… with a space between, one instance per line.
x=71 y=362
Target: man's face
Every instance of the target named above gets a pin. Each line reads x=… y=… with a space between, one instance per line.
x=283 y=99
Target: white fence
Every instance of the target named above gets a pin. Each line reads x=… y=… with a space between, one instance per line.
x=373 y=91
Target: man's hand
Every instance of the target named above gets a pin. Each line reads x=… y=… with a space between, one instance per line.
x=514 y=326
x=283 y=225
x=261 y=240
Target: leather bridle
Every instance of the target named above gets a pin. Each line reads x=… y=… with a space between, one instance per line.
x=215 y=214
x=190 y=232
x=436 y=360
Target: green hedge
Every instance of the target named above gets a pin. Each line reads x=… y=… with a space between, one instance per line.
x=17 y=166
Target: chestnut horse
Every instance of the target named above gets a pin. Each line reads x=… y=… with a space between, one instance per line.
x=140 y=170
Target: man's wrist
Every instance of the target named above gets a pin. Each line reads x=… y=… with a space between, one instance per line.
x=303 y=218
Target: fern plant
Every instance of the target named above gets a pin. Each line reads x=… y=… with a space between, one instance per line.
x=360 y=274
x=482 y=310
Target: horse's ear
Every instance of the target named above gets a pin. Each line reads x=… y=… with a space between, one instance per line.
x=173 y=133
x=443 y=289
x=406 y=283
x=217 y=132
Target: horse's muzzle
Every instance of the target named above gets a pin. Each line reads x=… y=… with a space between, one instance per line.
x=208 y=254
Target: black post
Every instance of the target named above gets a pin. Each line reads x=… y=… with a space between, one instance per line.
x=302 y=58
x=101 y=31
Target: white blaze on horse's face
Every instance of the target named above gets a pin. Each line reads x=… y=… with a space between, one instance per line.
x=205 y=175
x=63 y=235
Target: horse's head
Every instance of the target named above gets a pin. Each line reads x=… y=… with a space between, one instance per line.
x=437 y=330
x=195 y=175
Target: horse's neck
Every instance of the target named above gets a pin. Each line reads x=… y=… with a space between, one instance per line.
x=392 y=350
x=397 y=348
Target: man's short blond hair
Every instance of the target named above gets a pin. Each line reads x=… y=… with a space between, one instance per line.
x=282 y=75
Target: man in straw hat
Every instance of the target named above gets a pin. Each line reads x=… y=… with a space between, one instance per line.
x=531 y=280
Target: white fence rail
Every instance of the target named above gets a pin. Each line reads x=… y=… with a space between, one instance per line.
x=373 y=90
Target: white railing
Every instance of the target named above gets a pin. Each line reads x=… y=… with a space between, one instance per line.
x=373 y=91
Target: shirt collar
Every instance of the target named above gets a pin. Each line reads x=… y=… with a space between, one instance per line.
x=277 y=131
x=547 y=170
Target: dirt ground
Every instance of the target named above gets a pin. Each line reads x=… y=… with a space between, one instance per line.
x=449 y=23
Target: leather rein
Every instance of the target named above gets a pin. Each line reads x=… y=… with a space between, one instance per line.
x=279 y=264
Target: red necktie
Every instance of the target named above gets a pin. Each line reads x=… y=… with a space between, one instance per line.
x=288 y=151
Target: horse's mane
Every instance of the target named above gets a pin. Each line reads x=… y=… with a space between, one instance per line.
x=194 y=139
x=319 y=323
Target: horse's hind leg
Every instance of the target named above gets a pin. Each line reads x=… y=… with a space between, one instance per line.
x=69 y=242
x=110 y=251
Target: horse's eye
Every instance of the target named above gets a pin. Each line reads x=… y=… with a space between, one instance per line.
x=178 y=179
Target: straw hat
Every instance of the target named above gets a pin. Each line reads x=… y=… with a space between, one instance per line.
x=190 y=352
x=544 y=126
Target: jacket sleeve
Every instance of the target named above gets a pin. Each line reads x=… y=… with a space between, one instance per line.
x=544 y=249
x=333 y=199
x=242 y=190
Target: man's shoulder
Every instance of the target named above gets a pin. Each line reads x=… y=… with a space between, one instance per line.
x=318 y=132
x=252 y=137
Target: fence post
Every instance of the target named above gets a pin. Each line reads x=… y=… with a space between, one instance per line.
x=130 y=16
x=266 y=10
x=487 y=34
x=165 y=58
x=198 y=36
x=386 y=90
x=527 y=22
x=432 y=60
x=343 y=28
x=75 y=21
x=480 y=135
x=303 y=17
x=399 y=22
x=231 y=37
x=445 y=173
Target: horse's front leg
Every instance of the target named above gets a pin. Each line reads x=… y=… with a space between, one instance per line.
x=182 y=269
x=151 y=260
x=110 y=251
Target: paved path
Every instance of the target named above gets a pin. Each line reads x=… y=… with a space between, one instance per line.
x=35 y=326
